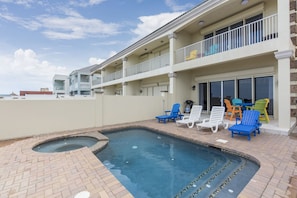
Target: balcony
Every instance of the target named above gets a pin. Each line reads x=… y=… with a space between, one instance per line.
x=59 y=88
x=96 y=81
x=85 y=86
x=148 y=65
x=258 y=31
x=113 y=76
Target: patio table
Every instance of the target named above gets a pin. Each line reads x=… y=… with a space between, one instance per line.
x=244 y=105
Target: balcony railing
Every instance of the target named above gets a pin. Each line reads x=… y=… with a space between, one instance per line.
x=113 y=76
x=96 y=81
x=59 y=88
x=258 y=31
x=85 y=86
x=148 y=65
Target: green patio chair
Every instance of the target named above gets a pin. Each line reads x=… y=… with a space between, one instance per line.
x=261 y=106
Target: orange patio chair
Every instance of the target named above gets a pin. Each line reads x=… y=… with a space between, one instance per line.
x=232 y=111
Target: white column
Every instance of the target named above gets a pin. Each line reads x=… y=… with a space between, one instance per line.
x=283 y=86
x=284 y=38
x=124 y=88
x=124 y=85
x=78 y=83
x=171 y=74
x=172 y=82
x=283 y=68
x=124 y=66
x=102 y=76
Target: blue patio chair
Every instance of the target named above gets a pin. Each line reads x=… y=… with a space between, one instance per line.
x=174 y=114
x=236 y=101
x=213 y=49
x=249 y=124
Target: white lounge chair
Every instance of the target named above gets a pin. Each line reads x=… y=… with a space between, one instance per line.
x=216 y=118
x=191 y=119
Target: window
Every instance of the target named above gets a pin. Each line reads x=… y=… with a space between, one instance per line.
x=254 y=31
x=212 y=96
x=215 y=93
x=203 y=95
x=264 y=89
x=222 y=39
x=245 y=90
x=228 y=89
x=236 y=35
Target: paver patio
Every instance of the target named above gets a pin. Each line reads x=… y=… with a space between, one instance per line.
x=26 y=173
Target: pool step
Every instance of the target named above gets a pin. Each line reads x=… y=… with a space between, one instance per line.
x=237 y=180
x=215 y=178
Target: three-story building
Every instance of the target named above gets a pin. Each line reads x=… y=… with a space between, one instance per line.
x=219 y=49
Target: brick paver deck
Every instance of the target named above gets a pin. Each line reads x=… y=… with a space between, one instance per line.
x=26 y=173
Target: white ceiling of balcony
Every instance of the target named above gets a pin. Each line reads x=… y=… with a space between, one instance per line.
x=222 y=12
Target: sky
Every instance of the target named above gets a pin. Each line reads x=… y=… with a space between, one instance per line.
x=41 y=38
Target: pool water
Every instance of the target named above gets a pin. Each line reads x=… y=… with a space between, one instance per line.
x=151 y=165
x=65 y=144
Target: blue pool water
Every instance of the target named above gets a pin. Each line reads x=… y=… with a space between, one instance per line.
x=65 y=144
x=152 y=165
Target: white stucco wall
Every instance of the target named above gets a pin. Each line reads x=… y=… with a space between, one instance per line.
x=23 y=118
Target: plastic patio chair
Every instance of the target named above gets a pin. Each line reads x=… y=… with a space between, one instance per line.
x=232 y=110
x=174 y=114
x=249 y=124
x=216 y=118
x=191 y=119
x=261 y=106
x=236 y=101
x=193 y=55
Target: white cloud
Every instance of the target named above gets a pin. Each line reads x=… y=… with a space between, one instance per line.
x=19 y=2
x=85 y=3
x=95 y=2
x=75 y=27
x=31 y=25
x=23 y=70
x=176 y=8
x=149 y=24
x=112 y=53
x=93 y=60
x=72 y=26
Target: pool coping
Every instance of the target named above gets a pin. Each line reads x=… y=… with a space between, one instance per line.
x=272 y=178
x=101 y=143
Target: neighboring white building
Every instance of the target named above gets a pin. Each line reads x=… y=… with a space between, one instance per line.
x=60 y=85
x=80 y=81
x=221 y=48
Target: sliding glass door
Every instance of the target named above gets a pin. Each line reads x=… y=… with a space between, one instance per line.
x=228 y=89
x=203 y=95
x=264 y=89
x=245 y=90
x=215 y=94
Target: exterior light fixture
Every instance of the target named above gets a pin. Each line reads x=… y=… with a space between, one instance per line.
x=201 y=23
x=244 y=2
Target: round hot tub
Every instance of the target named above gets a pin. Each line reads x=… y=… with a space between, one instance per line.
x=65 y=144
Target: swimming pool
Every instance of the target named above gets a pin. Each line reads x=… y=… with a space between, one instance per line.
x=153 y=165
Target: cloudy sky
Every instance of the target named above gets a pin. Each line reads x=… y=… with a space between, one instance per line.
x=41 y=38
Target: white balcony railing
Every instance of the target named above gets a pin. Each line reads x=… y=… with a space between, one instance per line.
x=148 y=65
x=59 y=88
x=113 y=76
x=96 y=81
x=85 y=86
x=258 y=31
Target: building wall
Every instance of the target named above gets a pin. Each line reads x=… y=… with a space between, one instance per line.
x=23 y=118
